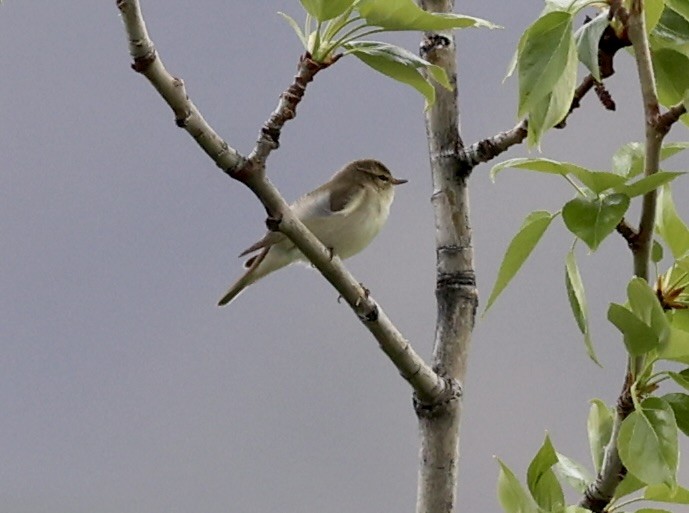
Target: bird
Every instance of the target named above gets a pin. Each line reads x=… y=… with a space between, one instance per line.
x=345 y=213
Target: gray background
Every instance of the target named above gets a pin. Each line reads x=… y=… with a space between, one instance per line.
x=124 y=389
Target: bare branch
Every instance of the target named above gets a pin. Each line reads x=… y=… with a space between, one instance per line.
x=426 y=383
x=148 y=63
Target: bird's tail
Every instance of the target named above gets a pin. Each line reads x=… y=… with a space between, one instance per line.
x=252 y=274
x=257 y=267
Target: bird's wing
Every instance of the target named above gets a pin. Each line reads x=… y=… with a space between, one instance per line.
x=268 y=240
x=341 y=201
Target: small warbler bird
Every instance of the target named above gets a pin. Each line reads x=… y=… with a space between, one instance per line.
x=345 y=213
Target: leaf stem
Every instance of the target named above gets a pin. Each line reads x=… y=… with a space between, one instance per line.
x=574 y=184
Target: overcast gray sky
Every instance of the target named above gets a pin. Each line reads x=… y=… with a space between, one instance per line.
x=125 y=389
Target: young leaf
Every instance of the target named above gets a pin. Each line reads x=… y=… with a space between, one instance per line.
x=647 y=442
x=574 y=473
x=587 y=39
x=406 y=15
x=680 y=407
x=647 y=183
x=593 y=219
x=323 y=10
x=542 y=483
x=545 y=50
x=669 y=225
x=511 y=495
x=577 y=301
x=399 y=64
x=639 y=338
x=295 y=26
x=599 y=427
x=518 y=251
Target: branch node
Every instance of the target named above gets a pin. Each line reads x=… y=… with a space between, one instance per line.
x=441 y=405
x=456 y=280
x=433 y=42
x=141 y=64
x=628 y=233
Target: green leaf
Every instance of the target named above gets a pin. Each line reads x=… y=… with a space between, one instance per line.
x=656 y=252
x=574 y=473
x=511 y=495
x=663 y=493
x=399 y=64
x=669 y=225
x=597 y=181
x=406 y=15
x=647 y=442
x=629 y=484
x=680 y=407
x=593 y=219
x=544 y=53
x=639 y=338
x=324 y=10
x=672 y=148
x=541 y=480
x=587 y=39
x=541 y=165
x=681 y=7
x=652 y=510
x=577 y=301
x=647 y=183
x=518 y=251
x=555 y=105
x=671 y=78
x=629 y=160
x=681 y=378
x=672 y=30
x=677 y=347
x=645 y=305
x=653 y=10
x=599 y=428
x=572 y=6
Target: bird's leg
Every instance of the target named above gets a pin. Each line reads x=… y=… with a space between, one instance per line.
x=273 y=223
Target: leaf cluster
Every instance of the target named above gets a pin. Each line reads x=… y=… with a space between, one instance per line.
x=333 y=26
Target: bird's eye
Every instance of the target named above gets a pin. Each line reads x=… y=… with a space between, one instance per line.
x=385 y=178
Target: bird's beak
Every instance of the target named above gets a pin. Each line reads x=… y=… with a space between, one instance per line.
x=399 y=181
